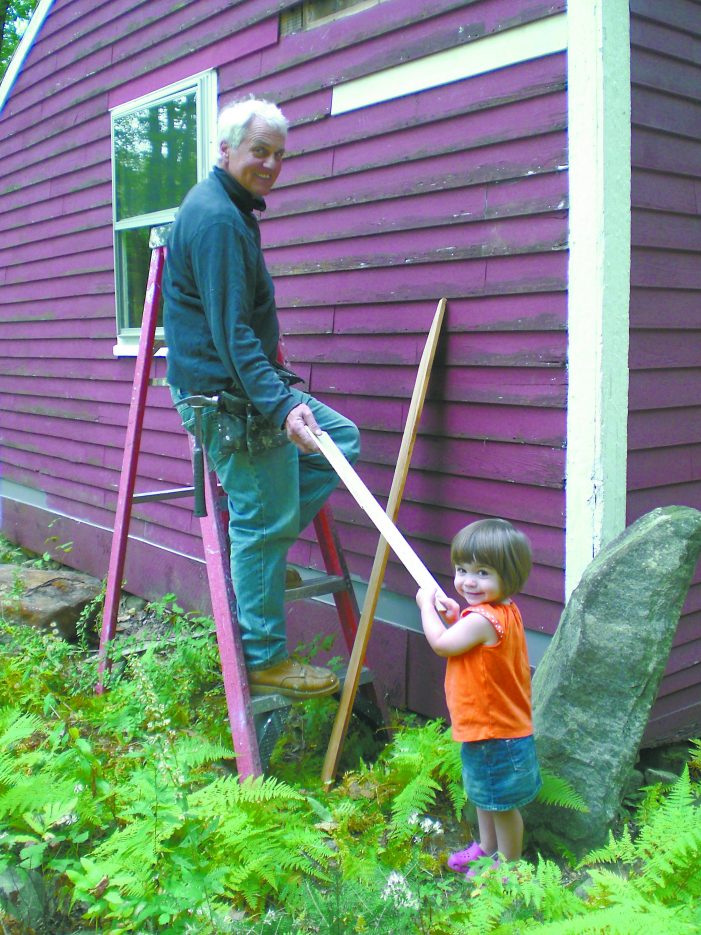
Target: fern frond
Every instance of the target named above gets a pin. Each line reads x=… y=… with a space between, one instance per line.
x=615 y=850
x=30 y=791
x=193 y=752
x=16 y=726
x=558 y=791
x=416 y=796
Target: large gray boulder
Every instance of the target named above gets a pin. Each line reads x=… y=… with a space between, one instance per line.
x=593 y=689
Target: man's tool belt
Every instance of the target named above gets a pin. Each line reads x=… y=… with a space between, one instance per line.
x=242 y=428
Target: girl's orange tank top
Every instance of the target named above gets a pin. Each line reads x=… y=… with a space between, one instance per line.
x=488 y=688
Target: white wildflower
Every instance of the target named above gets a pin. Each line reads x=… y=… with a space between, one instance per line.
x=398 y=893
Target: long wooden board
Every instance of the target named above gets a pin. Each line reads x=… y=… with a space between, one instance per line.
x=390 y=537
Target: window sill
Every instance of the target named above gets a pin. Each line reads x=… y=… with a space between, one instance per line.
x=129 y=349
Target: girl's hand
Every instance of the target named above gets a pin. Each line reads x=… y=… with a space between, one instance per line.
x=437 y=600
x=446 y=607
x=425 y=598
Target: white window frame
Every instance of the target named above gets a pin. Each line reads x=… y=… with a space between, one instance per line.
x=204 y=85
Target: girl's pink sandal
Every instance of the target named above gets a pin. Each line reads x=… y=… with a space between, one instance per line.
x=461 y=860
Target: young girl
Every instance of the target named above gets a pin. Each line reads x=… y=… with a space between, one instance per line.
x=487 y=682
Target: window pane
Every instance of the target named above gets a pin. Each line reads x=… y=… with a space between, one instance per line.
x=135 y=258
x=155 y=151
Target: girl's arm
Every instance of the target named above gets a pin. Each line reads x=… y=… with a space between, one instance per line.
x=469 y=631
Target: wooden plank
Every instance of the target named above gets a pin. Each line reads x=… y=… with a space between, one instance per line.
x=664 y=389
x=504 y=275
x=664 y=73
x=525 y=464
x=658 y=191
x=662 y=112
x=683 y=15
x=665 y=229
x=660 y=467
x=497 y=385
x=662 y=270
x=91 y=246
x=664 y=39
x=679 y=348
x=657 y=429
x=491 y=237
x=651 y=149
x=43 y=192
x=519 y=349
x=499 y=423
x=543 y=311
x=680 y=307
x=643 y=501
x=300 y=189
x=362 y=639
x=533 y=195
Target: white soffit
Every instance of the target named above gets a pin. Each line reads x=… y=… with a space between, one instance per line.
x=520 y=44
x=22 y=50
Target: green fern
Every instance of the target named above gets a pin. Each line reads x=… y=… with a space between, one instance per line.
x=421 y=764
x=558 y=791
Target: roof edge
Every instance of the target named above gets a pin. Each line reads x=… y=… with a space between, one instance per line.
x=13 y=69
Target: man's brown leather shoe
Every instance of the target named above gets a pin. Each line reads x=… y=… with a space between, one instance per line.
x=293 y=679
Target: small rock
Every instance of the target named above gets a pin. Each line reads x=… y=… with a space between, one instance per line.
x=44 y=598
x=655 y=776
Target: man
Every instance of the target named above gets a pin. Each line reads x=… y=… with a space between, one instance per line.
x=222 y=333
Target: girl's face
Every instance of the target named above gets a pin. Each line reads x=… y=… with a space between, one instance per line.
x=478 y=583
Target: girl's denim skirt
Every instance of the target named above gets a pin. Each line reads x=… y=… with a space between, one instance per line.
x=501 y=774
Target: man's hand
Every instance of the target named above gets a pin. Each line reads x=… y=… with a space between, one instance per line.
x=297 y=422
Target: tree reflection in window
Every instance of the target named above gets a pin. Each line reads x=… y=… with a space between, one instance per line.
x=155 y=153
x=155 y=165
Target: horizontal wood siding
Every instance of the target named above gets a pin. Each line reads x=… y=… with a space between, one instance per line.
x=456 y=191
x=664 y=458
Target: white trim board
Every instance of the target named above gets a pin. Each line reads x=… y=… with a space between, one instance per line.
x=520 y=44
x=35 y=23
x=599 y=278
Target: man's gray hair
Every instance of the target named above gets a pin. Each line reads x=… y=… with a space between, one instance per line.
x=235 y=119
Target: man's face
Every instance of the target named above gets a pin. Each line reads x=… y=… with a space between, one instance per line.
x=257 y=161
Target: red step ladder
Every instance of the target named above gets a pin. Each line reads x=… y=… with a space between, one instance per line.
x=243 y=710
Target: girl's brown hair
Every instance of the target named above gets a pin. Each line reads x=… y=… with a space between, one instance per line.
x=497 y=543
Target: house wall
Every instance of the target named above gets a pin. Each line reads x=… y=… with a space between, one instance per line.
x=664 y=428
x=458 y=190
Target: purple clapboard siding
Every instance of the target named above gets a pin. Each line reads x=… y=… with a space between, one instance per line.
x=664 y=461
x=459 y=191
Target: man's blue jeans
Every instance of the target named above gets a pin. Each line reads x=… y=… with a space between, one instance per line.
x=273 y=495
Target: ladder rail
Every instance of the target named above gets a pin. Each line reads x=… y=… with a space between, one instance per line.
x=234 y=677
x=132 y=446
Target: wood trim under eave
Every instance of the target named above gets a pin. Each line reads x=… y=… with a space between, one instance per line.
x=13 y=69
x=599 y=278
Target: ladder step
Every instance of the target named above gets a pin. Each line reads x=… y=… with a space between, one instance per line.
x=172 y=494
x=320 y=584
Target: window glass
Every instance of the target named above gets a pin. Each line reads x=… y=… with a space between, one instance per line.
x=155 y=156
x=134 y=257
x=161 y=146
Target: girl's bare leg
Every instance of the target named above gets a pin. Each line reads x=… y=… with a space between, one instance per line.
x=488 y=834
x=509 y=833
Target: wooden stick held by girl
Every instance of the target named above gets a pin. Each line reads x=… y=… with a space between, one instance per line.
x=487 y=683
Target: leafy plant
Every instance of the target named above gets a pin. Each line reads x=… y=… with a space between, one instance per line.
x=123 y=813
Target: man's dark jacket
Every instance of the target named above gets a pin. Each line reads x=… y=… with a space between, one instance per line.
x=220 y=320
